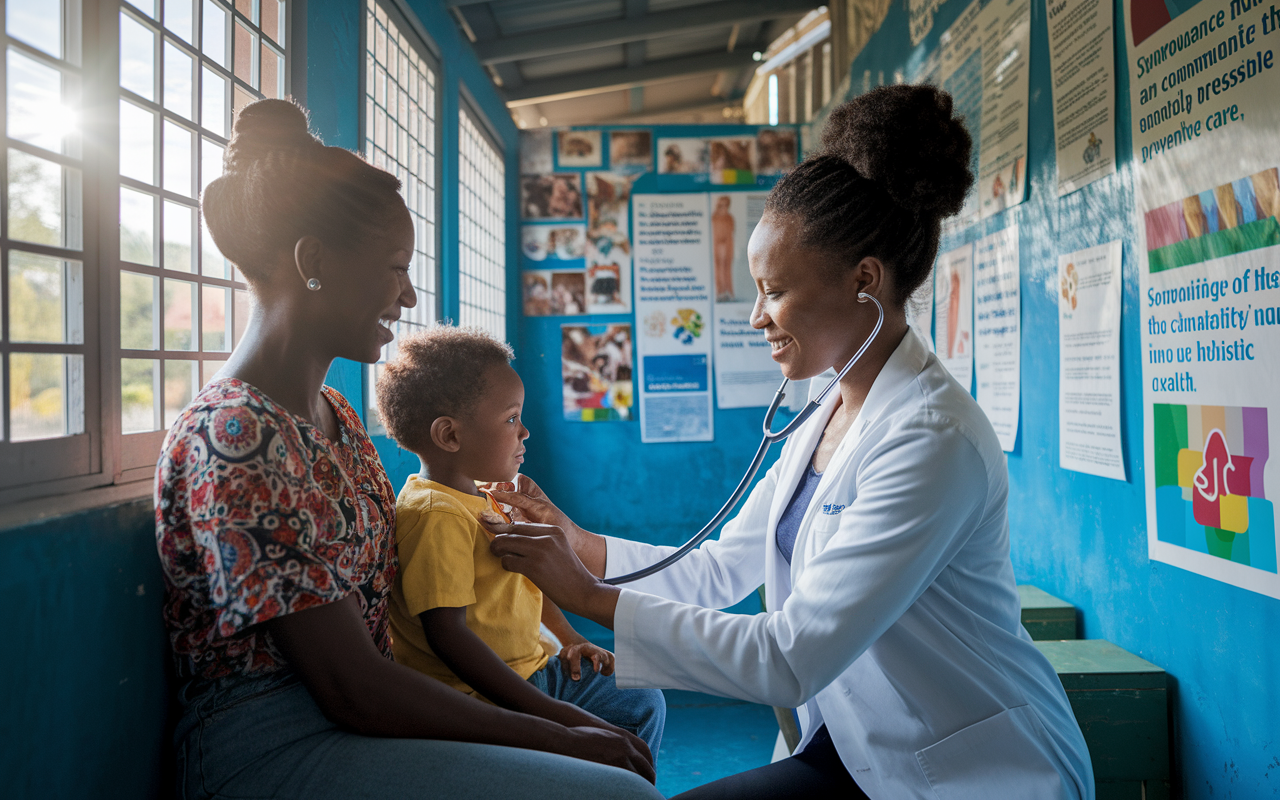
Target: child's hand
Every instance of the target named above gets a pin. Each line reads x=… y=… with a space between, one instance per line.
x=571 y=659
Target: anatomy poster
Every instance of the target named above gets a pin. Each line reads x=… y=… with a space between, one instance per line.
x=1089 y=361
x=953 y=313
x=1206 y=142
x=673 y=313
x=997 y=312
x=1082 y=60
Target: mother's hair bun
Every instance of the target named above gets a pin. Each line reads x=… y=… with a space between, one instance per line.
x=265 y=127
x=905 y=138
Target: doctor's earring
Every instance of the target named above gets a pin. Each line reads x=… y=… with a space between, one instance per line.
x=313 y=285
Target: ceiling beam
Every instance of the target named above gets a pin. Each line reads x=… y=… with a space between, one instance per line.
x=555 y=41
x=581 y=83
x=457 y=3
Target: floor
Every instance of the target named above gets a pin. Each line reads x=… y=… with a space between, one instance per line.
x=710 y=737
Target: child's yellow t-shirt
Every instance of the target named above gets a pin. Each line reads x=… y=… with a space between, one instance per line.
x=445 y=563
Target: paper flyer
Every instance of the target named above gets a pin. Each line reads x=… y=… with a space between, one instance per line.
x=1082 y=60
x=673 y=313
x=595 y=368
x=1206 y=145
x=1089 y=284
x=953 y=313
x=997 y=311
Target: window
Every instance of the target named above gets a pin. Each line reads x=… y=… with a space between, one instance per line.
x=401 y=136
x=482 y=249
x=163 y=78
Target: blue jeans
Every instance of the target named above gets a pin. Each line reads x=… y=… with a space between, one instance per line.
x=641 y=711
x=266 y=738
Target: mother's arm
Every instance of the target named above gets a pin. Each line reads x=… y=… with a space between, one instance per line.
x=360 y=689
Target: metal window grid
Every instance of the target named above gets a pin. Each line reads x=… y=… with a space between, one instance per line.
x=482 y=252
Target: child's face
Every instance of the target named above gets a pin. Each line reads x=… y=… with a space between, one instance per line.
x=493 y=435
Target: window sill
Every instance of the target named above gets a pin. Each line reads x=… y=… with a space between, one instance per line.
x=60 y=505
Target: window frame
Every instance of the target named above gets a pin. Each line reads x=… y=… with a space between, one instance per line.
x=468 y=107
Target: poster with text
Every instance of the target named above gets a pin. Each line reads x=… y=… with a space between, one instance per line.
x=1206 y=144
x=997 y=312
x=673 y=315
x=608 y=243
x=595 y=371
x=1082 y=61
x=953 y=313
x=1089 y=361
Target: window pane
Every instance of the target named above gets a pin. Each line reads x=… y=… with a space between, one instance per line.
x=246 y=47
x=180 y=381
x=178 y=84
x=38 y=112
x=242 y=99
x=139 y=380
x=177 y=18
x=137 y=143
x=147 y=7
x=249 y=8
x=179 y=231
x=272 y=19
x=39 y=403
x=272 y=73
x=214 y=30
x=177 y=158
x=213 y=102
x=215 y=333
x=137 y=311
x=482 y=219
x=44 y=201
x=211 y=154
x=137 y=57
x=137 y=227
x=213 y=264
x=243 y=301
x=36 y=22
x=46 y=299
x=208 y=369
x=179 y=319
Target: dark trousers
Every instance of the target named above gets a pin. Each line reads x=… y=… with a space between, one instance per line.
x=816 y=772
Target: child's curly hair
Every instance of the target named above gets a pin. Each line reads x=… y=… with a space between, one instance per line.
x=438 y=372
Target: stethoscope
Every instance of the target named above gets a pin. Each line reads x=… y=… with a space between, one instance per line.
x=769 y=438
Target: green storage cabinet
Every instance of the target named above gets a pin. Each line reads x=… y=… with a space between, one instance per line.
x=1046 y=617
x=1121 y=702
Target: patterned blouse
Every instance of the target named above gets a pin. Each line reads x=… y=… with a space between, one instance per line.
x=258 y=515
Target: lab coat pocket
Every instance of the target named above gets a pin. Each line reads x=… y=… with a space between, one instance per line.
x=1009 y=755
x=823 y=527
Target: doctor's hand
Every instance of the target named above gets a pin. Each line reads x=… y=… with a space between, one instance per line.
x=543 y=554
x=531 y=504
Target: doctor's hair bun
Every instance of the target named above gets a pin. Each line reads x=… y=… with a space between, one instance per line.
x=906 y=139
x=280 y=184
x=893 y=163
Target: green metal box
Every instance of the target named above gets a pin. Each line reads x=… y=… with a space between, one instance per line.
x=1046 y=617
x=1121 y=703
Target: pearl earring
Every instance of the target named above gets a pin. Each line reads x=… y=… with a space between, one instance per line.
x=313 y=285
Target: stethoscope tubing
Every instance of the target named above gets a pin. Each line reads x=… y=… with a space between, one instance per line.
x=770 y=436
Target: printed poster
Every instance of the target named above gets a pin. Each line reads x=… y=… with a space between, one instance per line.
x=1089 y=283
x=1082 y=62
x=595 y=367
x=953 y=312
x=997 y=311
x=608 y=248
x=1206 y=144
x=673 y=313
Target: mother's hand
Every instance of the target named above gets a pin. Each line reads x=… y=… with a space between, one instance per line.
x=531 y=504
x=542 y=553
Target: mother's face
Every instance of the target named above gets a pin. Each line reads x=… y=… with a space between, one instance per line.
x=809 y=312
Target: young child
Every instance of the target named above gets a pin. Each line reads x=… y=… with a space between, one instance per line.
x=451 y=397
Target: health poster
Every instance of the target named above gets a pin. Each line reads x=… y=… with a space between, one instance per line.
x=997 y=312
x=673 y=315
x=953 y=313
x=1206 y=144
x=595 y=368
x=746 y=374
x=1089 y=361
x=608 y=251
x=1082 y=61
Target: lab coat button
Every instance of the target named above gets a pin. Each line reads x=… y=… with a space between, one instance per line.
x=847 y=691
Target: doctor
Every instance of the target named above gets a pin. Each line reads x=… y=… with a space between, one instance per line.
x=881 y=533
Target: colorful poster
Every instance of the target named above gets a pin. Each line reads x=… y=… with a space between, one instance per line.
x=553 y=243
x=682 y=156
x=1206 y=139
x=746 y=374
x=953 y=312
x=997 y=311
x=579 y=149
x=631 y=151
x=1082 y=60
x=732 y=159
x=673 y=312
x=608 y=243
x=1089 y=283
x=557 y=195
x=554 y=293
x=595 y=365
x=775 y=150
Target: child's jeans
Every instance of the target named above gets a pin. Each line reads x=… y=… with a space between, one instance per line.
x=641 y=711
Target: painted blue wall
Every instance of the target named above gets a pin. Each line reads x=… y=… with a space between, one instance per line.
x=1084 y=538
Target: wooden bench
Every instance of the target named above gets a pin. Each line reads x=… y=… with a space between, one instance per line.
x=1046 y=617
x=1121 y=703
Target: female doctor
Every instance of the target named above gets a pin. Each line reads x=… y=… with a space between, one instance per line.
x=881 y=532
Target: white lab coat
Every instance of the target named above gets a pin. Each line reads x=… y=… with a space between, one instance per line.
x=897 y=623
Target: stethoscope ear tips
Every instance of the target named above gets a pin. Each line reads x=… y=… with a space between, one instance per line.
x=863 y=297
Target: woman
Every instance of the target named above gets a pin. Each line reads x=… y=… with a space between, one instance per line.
x=275 y=522
x=880 y=534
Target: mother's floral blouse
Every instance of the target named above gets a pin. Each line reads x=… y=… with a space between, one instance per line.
x=259 y=515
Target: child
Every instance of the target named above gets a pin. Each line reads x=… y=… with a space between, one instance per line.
x=451 y=397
